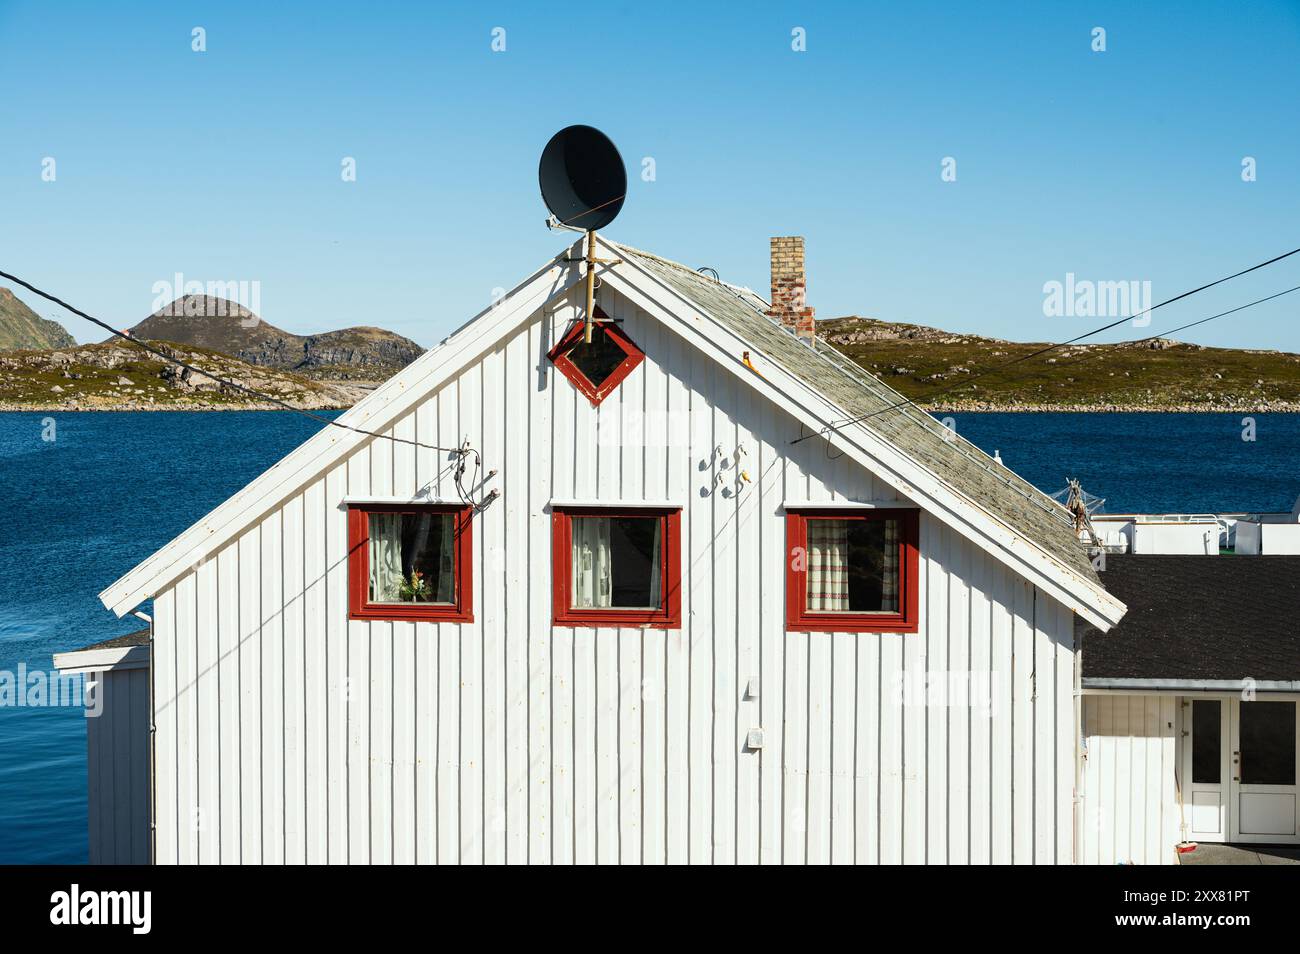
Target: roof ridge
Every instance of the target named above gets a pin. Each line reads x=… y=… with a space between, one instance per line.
x=684 y=268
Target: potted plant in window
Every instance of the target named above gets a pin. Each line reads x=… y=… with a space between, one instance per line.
x=415 y=589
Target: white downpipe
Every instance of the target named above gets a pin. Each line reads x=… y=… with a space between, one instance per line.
x=153 y=729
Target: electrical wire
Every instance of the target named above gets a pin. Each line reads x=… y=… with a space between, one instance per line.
x=1164 y=334
x=476 y=483
x=594 y=208
x=220 y=380
x=1052 y=347
x=1193 y=324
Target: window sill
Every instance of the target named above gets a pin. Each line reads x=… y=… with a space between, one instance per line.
x=412 y=613
x=615 y=619
x=853 y=624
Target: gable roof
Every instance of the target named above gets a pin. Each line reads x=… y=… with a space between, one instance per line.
x=981 y=498
x=1202 y=619
x=951 y=457
x=924 y=461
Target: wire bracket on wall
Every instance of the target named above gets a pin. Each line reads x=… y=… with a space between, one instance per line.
x=473 y=495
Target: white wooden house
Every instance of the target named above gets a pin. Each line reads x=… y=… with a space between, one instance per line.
x=665 y=629
x=1191 y=708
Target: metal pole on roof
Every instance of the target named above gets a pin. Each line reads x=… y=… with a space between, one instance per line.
x=591 y=285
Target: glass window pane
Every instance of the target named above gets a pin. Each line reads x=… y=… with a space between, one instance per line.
x=1206 y=739
x=617 y=562
x=412 y=558
x=853 y=566
x=1268 y=743
x=597 y=360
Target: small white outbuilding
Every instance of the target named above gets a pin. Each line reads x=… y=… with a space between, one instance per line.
x=701 y=590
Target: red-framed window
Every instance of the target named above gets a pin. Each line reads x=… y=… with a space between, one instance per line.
x=617 y=566
x=596 y=369
x=410 y=562
x=852 y=571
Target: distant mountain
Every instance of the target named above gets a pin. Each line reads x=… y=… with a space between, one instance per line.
x=22 y=328
x=1155 y=374
x=217 y=324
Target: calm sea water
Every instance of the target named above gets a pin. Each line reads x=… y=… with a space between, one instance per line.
x=111 y=488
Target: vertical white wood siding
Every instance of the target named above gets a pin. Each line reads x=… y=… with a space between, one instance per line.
x=287 y=732
x=1130 y=805
x=117 y=763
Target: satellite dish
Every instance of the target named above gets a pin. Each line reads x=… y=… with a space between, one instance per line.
x=582 y=178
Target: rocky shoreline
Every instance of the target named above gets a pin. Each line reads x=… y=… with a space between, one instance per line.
x=985 y=407
x=114 y=376
x=964 y=407
x=162 y=408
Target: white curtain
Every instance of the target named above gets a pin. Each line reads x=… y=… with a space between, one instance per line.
x=385 y=556
x=889 y=569
x=828 y=566
x=592 y=579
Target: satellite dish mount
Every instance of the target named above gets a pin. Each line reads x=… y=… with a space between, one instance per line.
x=583 y=183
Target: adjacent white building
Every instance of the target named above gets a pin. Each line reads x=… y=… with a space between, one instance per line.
x=699 y=591
x=1191 y=709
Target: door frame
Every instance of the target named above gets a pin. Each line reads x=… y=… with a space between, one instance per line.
x=1229 y=789
x=1237 y=788
x=1219 y=792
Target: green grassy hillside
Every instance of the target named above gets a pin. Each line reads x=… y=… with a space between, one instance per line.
x=20 y=327
x=1154 y=375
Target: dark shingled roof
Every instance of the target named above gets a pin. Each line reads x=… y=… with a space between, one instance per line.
x=1198 y=618
x=139 y=638
x=951 y=458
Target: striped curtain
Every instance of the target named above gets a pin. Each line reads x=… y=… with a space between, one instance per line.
x=889 y=569
x=828 y=566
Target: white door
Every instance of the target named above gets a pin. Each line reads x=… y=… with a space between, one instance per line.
x=1263 y=792
x=1207 y=767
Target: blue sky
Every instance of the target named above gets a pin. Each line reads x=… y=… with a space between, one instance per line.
x=1115 y=166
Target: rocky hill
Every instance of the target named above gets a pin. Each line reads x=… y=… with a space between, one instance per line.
x=362 y=354
x=1157 y=374
x=118 y=376
x=20 y=327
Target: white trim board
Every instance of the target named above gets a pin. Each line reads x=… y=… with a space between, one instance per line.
x=1232 y=686
x=789 y=505
x=363 y=500
x=626 y=503
x=97 y=660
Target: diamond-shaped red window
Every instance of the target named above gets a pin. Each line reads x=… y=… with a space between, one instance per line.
x=596 y=369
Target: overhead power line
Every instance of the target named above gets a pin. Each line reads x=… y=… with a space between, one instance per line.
x=1061 y=344
x=1163 y=334
x=270 y=399
x=1222 y=314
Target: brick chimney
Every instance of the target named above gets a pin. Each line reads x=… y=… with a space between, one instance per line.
x=790 y=287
